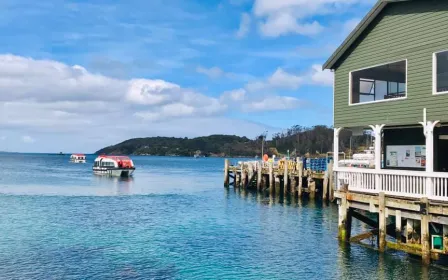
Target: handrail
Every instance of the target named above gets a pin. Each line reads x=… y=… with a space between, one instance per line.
x=393 y=172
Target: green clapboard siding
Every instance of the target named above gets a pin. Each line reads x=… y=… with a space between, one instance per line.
x=411 y=30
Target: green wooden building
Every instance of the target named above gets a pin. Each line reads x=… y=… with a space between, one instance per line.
x=391 y=77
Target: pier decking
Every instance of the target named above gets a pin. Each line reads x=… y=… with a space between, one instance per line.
x=286 y=177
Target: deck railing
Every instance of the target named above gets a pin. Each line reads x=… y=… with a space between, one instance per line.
x=412 y=184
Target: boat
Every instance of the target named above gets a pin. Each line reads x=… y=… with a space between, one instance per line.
x=121 y=166
x=78 y=158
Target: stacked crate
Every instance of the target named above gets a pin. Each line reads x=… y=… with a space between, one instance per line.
x=315 y=164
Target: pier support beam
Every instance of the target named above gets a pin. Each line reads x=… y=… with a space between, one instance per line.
x=331 y=181
x=426 y=249
x=271 y=177
x=259 y=175
x=398 y=225
x=226 y=173
x=382 y=222
x=300 y=183
x=325 y=187
x=285 y=179
x=342 y=219
x=311 y=187
x=277 y=185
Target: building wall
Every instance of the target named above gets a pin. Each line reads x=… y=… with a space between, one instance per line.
x=411 y=30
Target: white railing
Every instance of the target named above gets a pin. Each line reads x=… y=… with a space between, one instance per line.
x=413 y=184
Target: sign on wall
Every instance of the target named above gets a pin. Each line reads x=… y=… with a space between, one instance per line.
x=411 y=156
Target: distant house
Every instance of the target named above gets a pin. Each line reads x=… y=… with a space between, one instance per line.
x=389 y=69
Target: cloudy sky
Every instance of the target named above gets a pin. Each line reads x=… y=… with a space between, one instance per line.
x=79 y=75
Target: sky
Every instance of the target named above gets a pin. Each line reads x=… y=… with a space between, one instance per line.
x=76 y=76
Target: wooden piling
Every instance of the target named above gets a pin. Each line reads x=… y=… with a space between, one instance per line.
x=237 y=179
x=311 y=187
x=382 y=222
x=271 y=177
x=259 y=175
x=293 y=185
x=277 y=184
x=426 y=249
x=285 y=179
x=325 y=187
x=398 y=225
x=342 y=218
x=299 y=185
x=331 y=181
x=226 y=172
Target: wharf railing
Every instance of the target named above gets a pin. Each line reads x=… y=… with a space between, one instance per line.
x=400 y=183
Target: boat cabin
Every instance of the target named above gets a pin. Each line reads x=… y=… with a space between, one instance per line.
x=113 y=165
x=78 y=158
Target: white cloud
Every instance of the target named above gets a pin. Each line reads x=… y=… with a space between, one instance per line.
x=236 y=95
x=28 y=139
x=213 y=72
x=284 y=17
x=244 y=25
x=321 y=77
x=281 y=79
x=283 y=24
x=274 y=103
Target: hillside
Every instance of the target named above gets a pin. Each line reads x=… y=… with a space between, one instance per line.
x=298 y=140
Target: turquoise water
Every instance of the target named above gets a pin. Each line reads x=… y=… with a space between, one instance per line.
x=173 y=220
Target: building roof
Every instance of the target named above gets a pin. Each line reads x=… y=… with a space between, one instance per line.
x=365 y=22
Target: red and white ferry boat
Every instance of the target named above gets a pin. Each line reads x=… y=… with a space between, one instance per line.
x=78 y=158
x=121 y=166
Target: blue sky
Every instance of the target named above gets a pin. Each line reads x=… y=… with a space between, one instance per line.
x=80 y=75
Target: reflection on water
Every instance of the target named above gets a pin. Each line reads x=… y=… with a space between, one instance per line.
x=118 y=185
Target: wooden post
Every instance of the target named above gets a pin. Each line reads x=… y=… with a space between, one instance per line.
x=259 y=175
x=445 y=239
x=237 y=177
x=285 y=178
x=299 y=186
x=277 y=184
x=311 y=187
x=271 y=177
x=293 y=185
x=426 y=249
x=382 y=222
x=342 y=218
x=398 y=225
x=226 y=173
x=325 y=187
x=331 y=181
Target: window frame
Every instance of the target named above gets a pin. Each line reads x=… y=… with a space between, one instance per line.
x=376 y=101
x=434 y=74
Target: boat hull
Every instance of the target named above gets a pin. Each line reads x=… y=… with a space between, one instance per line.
x=78 y=161
x=116 y=172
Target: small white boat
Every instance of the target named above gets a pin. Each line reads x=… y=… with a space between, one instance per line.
x=121 y=166
x=78 y=158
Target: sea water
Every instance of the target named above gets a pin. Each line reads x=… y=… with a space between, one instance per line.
x=172 y=220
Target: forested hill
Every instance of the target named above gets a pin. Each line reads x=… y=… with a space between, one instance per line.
x=298 y=140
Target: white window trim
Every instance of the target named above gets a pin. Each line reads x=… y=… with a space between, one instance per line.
x=378 y=101
x=434 y=74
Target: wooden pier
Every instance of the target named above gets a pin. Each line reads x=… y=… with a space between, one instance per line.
x=286 y=177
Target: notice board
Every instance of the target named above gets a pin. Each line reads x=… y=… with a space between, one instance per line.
x=407 y=156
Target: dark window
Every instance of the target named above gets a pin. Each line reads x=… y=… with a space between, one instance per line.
x=442 y=72
x=378 y=83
